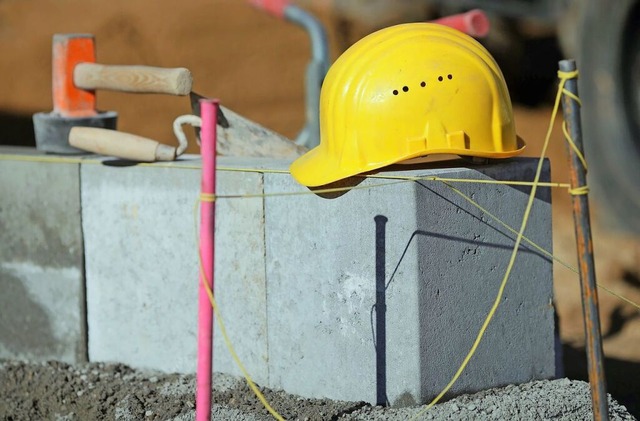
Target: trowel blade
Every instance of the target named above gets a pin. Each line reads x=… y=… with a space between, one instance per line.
x=238 y=136
x=195 y=108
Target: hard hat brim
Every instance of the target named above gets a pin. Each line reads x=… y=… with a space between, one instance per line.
x=317 y=168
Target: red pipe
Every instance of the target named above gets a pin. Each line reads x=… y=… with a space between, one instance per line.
x=473 y=22
x=208 y=135
x=274 y=7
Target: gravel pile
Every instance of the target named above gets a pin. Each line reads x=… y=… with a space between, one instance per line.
x=61 y=392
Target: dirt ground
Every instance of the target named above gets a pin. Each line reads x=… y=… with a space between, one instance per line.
x=255 y=64
x=113 y=391
x=98 y=391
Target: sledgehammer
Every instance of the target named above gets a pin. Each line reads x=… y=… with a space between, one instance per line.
x=75 y=78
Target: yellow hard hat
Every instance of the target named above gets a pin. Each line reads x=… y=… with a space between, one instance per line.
x=407 y=91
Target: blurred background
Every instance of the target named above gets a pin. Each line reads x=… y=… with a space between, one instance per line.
x=256 y=63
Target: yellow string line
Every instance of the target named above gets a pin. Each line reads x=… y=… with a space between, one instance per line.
x=258 y=170
x=400 y=179
x=512 y=230
x=260 y=396
x=578 y=190
x=210 y=197
x=61 y=159
x=307 y=192
x=70 y=160
x=584 y=189
x=568 y=92
x=534 y=245
x=48 y=159
x=615 y=294
x=466 y=180
x=446 y=181
x=512 y=260
x=206 y=197
x=573 y=146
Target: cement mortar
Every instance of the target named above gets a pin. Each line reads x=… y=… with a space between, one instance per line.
x=63 y=392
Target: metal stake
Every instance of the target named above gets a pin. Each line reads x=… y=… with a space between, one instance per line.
x=595 y=357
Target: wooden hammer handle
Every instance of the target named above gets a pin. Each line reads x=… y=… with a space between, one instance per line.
x=120 y=144
x=140 y=79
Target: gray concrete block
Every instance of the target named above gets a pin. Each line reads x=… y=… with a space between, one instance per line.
x=42 y=300
x=378 y=295
x=142 y=266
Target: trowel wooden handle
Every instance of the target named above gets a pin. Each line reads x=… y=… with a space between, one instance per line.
x=120 y=144
x=141 y=79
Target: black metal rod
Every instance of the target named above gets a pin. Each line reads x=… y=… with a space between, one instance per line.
x=595 y=356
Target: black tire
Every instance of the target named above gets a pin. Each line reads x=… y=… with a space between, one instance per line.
x=609 y=84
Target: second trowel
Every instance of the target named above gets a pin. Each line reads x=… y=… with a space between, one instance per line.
x=236 y=136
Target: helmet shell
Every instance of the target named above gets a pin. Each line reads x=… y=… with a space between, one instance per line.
x=407 y=91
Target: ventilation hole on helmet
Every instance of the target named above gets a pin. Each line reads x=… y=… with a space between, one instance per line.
x=449 y=77
x=440 y=78
x=405 y=88
x=395 y=92
x=423 y=84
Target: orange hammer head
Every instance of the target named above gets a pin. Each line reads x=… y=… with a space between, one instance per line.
x=68 y=51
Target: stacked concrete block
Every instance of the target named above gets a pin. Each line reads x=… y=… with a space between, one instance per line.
x=375 y=294
x=142 y=266
x=42 y=300
x=378 y=295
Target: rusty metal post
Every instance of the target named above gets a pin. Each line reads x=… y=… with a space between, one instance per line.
x=595 y=356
